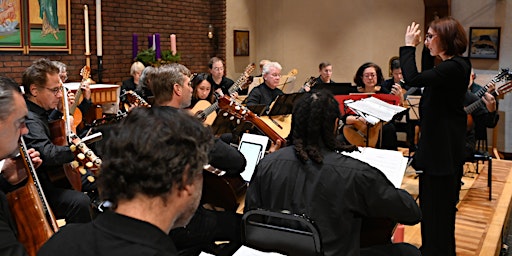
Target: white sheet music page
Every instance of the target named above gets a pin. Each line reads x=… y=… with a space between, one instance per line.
x=247 y=251
x=390 y=162
x=375 y=107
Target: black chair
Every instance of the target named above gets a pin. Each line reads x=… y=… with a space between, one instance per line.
x=482 y=154
x=280 y=232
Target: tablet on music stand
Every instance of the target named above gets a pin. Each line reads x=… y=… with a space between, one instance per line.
x=336 y=88
x=283 y=104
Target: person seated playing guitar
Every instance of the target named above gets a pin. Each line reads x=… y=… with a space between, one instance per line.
x=368 y=79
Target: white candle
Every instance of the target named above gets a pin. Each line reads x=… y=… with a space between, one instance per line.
x=173 y=44
x=86 y=22
x=99 y=37
x=154 y=43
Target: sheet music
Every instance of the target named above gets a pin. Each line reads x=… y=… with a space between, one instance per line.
x=390 y=162
x=247 y=251
x=376 y=108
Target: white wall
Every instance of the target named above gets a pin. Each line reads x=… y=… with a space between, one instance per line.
x=301 y=34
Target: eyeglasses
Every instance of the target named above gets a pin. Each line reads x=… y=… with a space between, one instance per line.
x=218 y=69
x=429 y=36
x=275 y=75
x=55 y=90
x=369 y=75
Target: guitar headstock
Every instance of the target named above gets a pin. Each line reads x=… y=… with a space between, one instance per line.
x=233 y=108
x=84 y=156
x=504 y=88
x=293 y=72
x=310 y=82
x=85 y=72
x=249 y=69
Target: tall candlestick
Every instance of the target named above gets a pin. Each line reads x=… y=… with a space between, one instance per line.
x=99 y=37
x=173 y=44
x=86 y=24
x=158 y=53
x=135 y=45
x=150 y=41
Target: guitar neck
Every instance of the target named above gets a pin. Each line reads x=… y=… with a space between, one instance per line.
x=238 y=84
x=78 y=94
x=207 y=111
x=263 y=127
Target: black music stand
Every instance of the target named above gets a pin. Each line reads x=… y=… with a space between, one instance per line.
x=283 y=104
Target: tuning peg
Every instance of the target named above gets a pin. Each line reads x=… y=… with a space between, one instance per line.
x=90 y=179
x=82 y=170
x=81 y=156
x=225 y=114
x=231 y=118
x=74 y=164
x=72 y=147
x=89 y=165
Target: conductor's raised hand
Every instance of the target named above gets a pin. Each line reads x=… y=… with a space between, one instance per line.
x=412 y=35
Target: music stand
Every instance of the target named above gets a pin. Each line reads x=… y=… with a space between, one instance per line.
x=283 y=104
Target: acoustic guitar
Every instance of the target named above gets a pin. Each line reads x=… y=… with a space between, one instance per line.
x=73 y=110
x=500 y=90
x=361 y=134
x=206 y=112
x=494 y=91
x=30 y=209
x=221 y=191
x=242 y=113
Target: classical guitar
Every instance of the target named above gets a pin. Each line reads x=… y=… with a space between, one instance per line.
x=222 y=191
x=310 y=82
x=34 y=218
x=361 y=134
x=499 y=90
x=206 y=112
x=134 y=99
x=241 y=113
x=76 y=113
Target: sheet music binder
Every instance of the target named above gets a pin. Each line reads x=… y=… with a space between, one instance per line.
x=283 y=104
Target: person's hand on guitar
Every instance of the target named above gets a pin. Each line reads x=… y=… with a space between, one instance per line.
x=490 y=102
x=397 y=90
x=13 y=169
x=274 y=146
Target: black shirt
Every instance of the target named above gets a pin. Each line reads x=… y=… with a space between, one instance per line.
x=110 y=234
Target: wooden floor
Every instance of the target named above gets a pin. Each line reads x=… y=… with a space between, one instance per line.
x=480 y=222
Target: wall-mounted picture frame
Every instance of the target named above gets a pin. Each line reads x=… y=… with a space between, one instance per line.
x=11 y=26
x=48 y=25
x=241 y=43
x=484 y=42
x=35 y=25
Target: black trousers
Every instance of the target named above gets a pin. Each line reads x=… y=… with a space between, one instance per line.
x=438 y=197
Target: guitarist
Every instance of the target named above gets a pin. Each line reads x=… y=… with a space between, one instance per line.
x=202 y=89
x=217 y=78
x=266 y=92
x=12 y=125
x=43 y=93
x=206 y=226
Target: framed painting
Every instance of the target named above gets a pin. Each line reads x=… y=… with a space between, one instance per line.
x=11 y=25
x=241 y=43
x=484 y=42
x=49 y=25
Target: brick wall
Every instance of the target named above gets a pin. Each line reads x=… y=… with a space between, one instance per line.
x=120 y=19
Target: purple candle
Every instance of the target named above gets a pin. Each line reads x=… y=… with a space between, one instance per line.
x=135 y=45
x=150 y=41
x=158 y=54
